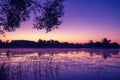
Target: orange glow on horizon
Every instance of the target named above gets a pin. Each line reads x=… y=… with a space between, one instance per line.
x=63 y=34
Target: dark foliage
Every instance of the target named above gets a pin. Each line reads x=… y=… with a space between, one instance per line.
x=57 y=44
x=105 y=43
x=46 y=14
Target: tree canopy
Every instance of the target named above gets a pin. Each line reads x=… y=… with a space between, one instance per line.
x=106 y=41
x=45 y=14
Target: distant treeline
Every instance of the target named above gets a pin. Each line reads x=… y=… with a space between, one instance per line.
x=104 y=43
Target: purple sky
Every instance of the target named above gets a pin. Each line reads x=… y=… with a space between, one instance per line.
x=84 y=20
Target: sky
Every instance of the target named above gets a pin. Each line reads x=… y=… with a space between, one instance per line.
x=84 y=20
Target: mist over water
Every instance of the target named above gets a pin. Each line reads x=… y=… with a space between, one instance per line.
x=59 y=64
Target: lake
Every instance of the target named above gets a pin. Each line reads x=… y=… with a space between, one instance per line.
x=59 y=64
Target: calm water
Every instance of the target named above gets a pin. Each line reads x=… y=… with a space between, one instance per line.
x=59 y=64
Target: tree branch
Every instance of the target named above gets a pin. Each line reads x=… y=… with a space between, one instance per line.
x=37 y=4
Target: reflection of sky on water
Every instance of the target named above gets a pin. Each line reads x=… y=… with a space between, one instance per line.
x=59 y=64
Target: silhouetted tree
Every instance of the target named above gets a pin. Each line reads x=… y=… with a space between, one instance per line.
x=45 y=13
x=115 y=45
x=91 y=42
x=106 y=41
x=0 y=41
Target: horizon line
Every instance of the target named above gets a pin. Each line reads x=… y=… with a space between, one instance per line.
x=56 y=40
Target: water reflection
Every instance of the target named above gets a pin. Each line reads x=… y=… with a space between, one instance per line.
x=59 y=64
x=104 y=53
